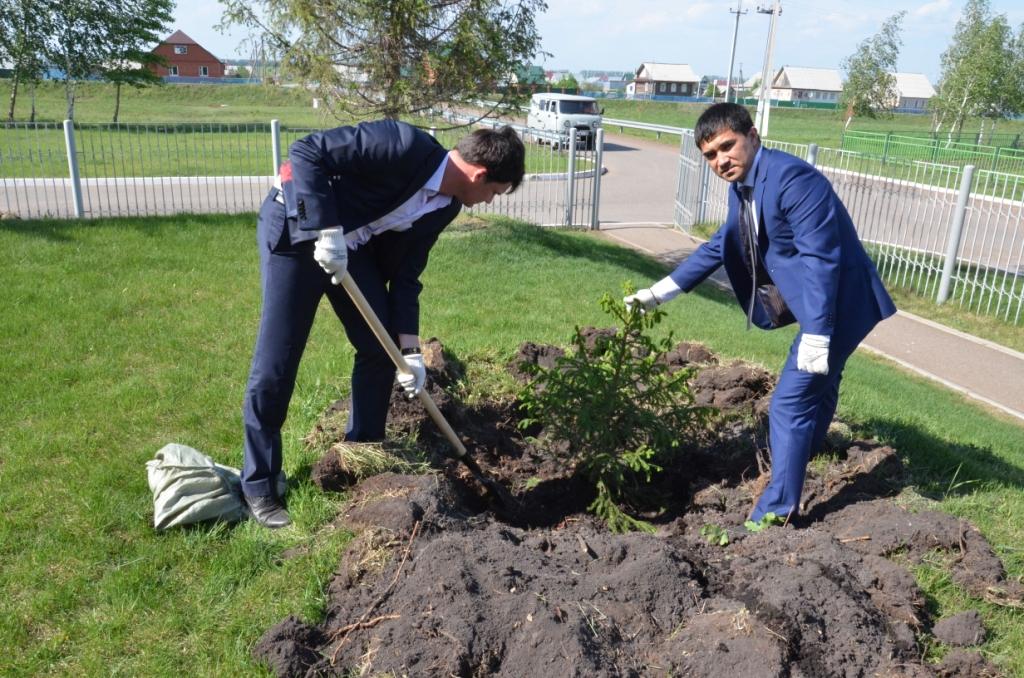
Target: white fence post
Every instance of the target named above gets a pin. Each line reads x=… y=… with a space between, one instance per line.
x=812 y=154
x=956 y=230
x=595 y=221
x=275 y=144
x=76 y=181
x=700 y=210
x=570 y=185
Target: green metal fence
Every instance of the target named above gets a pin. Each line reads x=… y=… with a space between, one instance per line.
x=904 y=147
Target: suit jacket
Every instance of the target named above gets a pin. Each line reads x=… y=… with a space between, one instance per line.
x=351 y=176
x=808 y=245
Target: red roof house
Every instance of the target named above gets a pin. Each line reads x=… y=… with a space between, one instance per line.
x=186 y=58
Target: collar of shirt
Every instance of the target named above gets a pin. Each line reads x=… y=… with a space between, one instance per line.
x=426 y=199
x=748 y=180
x=433 y=184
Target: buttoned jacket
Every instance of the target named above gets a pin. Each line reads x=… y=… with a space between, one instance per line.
x=807 y=243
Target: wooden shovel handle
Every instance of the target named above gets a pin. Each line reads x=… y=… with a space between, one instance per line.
x=396 y=357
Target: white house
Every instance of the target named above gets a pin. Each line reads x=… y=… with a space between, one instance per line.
x=665 y=80
x=913 y=91
x=797 y=83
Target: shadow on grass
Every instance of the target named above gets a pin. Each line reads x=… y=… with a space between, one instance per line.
x=935 y=468
x=942 y=468
x=564 y=244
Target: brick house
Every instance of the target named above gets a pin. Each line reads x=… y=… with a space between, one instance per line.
x=186 y=58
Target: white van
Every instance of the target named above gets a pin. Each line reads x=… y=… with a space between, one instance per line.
x=558 y=113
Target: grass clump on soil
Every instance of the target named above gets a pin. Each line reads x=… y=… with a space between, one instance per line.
x=613 y=408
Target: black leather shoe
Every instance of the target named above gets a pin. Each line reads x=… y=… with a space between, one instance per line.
x=268 y=511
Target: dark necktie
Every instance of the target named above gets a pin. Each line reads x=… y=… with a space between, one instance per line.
x=748 y=235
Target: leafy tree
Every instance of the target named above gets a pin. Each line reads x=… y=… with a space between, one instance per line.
x=977 y=69
x=394 y=57
x=870 y=86
x=24 y=26
x=567 y=82
x=134 y=26
x=613 y=411
x=78 y=41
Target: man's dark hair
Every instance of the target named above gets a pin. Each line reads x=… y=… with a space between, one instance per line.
x=718 y=117
x=500 y=151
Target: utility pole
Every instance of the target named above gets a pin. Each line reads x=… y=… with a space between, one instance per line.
x=764 y=104
x=732 y=56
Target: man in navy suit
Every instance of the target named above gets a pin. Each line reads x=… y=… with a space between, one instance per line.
x=791 y=254
x=367 y=201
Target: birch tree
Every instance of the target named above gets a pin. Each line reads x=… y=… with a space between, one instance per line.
x=977 y=67
x=870 y=86
x=24 y=27
x=135 y=27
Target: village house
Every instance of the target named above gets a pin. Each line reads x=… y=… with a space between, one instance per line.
x=811 y=85
x=654 y=79
x=186 y=59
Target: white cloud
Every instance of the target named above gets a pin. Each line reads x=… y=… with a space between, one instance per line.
x=930 y=9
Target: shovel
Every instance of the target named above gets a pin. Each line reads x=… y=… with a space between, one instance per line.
x=499 y=492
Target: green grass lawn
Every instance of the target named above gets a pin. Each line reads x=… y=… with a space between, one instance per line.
x=119 y=336
x=94 y=103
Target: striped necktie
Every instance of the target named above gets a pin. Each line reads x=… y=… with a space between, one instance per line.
x=748 y=226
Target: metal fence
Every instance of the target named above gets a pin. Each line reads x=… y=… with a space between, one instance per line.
x=889 y=146
x=68 y=170
x=955 y=234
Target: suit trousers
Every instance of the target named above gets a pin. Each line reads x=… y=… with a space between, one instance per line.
x=803 y=404
x=292 y=286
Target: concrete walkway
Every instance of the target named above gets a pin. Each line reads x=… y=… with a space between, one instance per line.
x=977 y=368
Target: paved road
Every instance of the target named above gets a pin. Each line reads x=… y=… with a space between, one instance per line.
x=149 y=196
x=640 y=185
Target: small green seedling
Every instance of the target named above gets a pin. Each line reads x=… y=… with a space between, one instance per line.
x=715 y=535
x=767 y=520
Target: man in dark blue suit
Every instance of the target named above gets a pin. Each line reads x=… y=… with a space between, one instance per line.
x=791 y=254
x=367 y=201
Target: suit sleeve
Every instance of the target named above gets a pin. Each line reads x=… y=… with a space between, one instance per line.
x=706 y=259
x=404 y=290
x=808 y=203
x=366 y=149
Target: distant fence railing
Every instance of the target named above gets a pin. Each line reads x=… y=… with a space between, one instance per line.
x=889 y=146
x=117 y=170
x=955 y=234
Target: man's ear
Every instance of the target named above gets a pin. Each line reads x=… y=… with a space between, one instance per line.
x=477 y=174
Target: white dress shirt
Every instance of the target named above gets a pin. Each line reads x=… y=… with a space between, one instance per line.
x=423 y=201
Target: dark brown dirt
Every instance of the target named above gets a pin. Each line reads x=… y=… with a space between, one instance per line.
x=963 y=629
x=439 y=581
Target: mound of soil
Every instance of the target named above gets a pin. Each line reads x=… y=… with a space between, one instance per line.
x=440 y=581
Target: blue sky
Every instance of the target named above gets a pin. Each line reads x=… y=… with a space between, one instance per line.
x=616 y=35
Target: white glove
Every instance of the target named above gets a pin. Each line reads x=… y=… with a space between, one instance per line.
x=644 y=298
x=413 y=383
x=332 y=253
x=812 y=354
x=664 y=290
